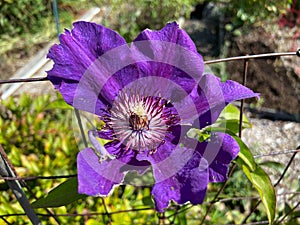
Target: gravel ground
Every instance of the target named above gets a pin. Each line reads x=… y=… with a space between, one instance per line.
x=272 y=137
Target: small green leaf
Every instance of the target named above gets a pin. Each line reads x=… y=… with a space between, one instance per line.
x=59 y=104
x=200 y=135
x=3 y=187
x=276 y=166
x=230 y=119
x=147 y=201
x=62 y=195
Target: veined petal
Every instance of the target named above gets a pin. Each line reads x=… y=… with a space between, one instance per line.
x=81 y=47
x=219 y=151
x=77 y=51
x=169 y=53
x=188 y=184
x=95 y=178
x=211 y=97
x=170 y=33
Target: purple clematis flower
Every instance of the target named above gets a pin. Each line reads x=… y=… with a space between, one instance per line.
x=149 y=94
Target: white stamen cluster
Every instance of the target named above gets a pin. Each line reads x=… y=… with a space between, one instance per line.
x=139 y=122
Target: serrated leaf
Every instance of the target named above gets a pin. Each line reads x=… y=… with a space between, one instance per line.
x=62 y=195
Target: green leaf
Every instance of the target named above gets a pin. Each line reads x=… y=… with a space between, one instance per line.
x=245 y=155
x=62 y=195
x=263 y=185
x=59 y=104
x=200 y=135
x=3 y=187
x=147 y=201
x=276 y=166
x=230 y=119
x=257 y=176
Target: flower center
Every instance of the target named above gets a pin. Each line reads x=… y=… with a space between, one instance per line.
x=138 y=122
x=141 y=122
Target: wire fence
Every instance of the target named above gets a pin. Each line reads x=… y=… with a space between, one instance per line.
x=18 y=183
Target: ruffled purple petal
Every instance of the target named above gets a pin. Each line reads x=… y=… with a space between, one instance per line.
x=173 y=84
x=169 y=53
x=211 y=97
x=219 y=151
x=218 y=94
x=188 y=184
x=79 y=48
x=77 y=51
x=95 y=177
x=170 y=33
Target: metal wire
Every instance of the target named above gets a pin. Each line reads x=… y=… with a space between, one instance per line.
x=163 y=217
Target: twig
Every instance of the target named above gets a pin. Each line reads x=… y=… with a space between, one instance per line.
x=240 y=135
x=6 y=171
x=277 y=153
x=246 y=63
x=267 y=55
x=81 y=127
x=82 y=214
x=39 y=177
x=288 y=213
x=20 y=80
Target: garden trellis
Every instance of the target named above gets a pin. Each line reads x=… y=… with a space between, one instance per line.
x=109 y=212
x=17 y=183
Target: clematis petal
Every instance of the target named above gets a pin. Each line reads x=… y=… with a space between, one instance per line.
x=174 y=83
x=106 y=134
x=95 y=178
x=219 y=151
x=77 y=51
x=211 y=97
x=169 y=53
x=218 y=94
x=79 y=48
x=170 y=33
x=188 y=184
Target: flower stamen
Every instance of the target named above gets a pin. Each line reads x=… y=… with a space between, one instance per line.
x=140 y=122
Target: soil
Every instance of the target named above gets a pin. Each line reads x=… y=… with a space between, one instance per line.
x=279 y=85
x=276 y=79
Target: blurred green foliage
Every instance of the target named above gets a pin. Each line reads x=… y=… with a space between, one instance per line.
x=24 y=22
x=23 y=16
x=250 y=12
x=130 y=17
